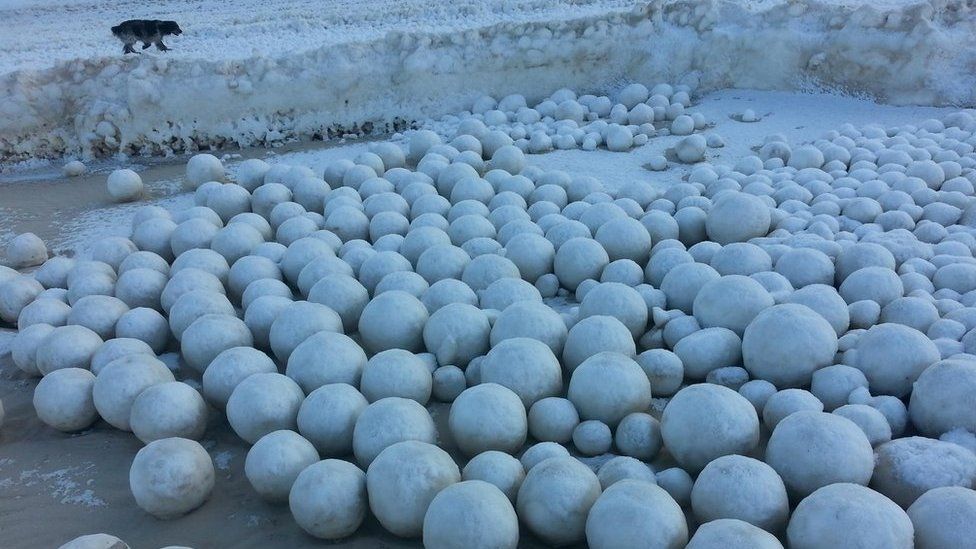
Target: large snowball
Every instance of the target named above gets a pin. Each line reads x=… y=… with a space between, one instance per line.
x=328 y=499
x=63 y=399
x=488 y=417
x=171 y=409
x=732 y=534
x=730 y=302
x=468 y=514
x=760 y=496
x=786 y=343
x=211 y=335
x=849 y=515
x=263 y=403
x=231 y=367
x=67 y=347
x=393 y=320
x=555 y=499
x=403 y=480
x=608 y=386
x=635 y=513
x=387 y=422
x=943 y=396
x=579 y=259
x=171 y=477
x=456 y=333
x=593 y=335
x=703 y=422
x=737 y=217
x=328 y=417
x=526 y=366
x=499 y=469
x=202 y=168
x=892 y=357
x=120 y=383
x=326 y=357
x=944 y=517
x=125 y=185
x=908 y=467
x=26 y=250
x=275 y=461
x=396 y=373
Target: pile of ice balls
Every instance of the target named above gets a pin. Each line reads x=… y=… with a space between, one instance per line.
x=808 y=314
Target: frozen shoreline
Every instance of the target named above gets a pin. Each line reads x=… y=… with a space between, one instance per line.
x=901 y=53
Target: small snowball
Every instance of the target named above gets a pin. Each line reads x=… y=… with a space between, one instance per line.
x=328 y=499
x=171 y=477
x=125 y=186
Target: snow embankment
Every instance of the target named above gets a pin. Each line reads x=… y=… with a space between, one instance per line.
x=920 y=53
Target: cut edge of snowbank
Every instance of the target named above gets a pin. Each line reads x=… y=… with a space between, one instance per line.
x=922 y=53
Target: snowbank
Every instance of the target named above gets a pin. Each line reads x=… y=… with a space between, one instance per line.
x=898 y=52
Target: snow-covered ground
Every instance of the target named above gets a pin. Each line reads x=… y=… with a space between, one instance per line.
x=259 y=73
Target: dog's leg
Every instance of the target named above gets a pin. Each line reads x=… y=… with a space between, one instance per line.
x=161 y=46
x=128 y=48
x=145 y=45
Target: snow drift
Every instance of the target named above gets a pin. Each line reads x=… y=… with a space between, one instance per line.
x=898 y=52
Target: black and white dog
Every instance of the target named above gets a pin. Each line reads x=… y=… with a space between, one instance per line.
x=147 y=31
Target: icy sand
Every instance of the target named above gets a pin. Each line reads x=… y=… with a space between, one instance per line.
x=79 y=483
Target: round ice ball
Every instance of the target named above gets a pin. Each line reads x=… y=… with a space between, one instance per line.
x=635 y=512
x=623 y=468
x=171 y=477
x=553 y=419
x=579 y=259
x=892 y=356
x=470 y=513
x=683 y=282
x=592 y=438
x=310 y=368
x=74 y=168
x=842 y=452
x=664 y=370
x=26 y=250
x=849 y=515
x=944 y=517
x=202 y=168
x=146 y=325
x=532 y=320
x=498 y=469
x=619 y=301
x=67 y=347
x=24 y=345
x=231 y=367
x=402 y=482
x=262 y=403
x=63 y=399
x=210 y=335
x=389 y=421
x=275 y=461
x=908 y=467
x=691 y=149
x=593 y=335
x=170 y=409
x=328 y=416
x=942 y=398
x=737 y=217
x=121 y=382
x=16 y=293
x=730 y=302
x=525 y=366
x=703 y=422
x=555 y=499
x=786 y=343
x=488 y=417
x=125 y=185
x=638 y=435
x=608 y=386
x=396 y=373
x=393 y=320
x=456 y=333
x=297 y=322
x=763 y=502
x=328 y=499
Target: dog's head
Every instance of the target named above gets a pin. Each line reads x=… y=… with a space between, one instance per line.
x=170 y=27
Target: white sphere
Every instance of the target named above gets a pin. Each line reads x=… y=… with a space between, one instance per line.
x=555 y=499
x=146 y=325
x=532 y=320
x=403 y=480
x=63 y=400
x=498 y=469
x=262 y=403
x=813 y=449
x=387 y=422
x=892 y=357
x=664 y=370
x=786 y=343
x=579 y=259
x=908 y=467
x=171 y=477
x=141 y=288
x=98 y=313
x=870 y=420
x=44 y=310
x=66 y=347
x=619 y=301
x=944 y=517
x=608 y=386
x=525 y=366
x=275 y=461
x=806 y=156
x=456 y=333
x=297 y=322
x=707 y=350
x=553 y=419
x=326 y=357
x=941 y=398
x=508 y=423
x=24 y=345
x=635 y=513
x=328 y=417
x=73 y=168
x=703 y=422
x=120 y=383
x=95 y=541
x=763 y=502
x=638 y=435
x=328 y=499
x=396 y=373
x=592 y=438
x=210 y=335
x=192 y=306
x=732 y=534
x=691 y=149
x=202 y=168
x=54 y=272
x=730 y=302
x=16 y=293
x=393 y=320
x=683 y=282
x=788 y=401
x=26 y=250
x=250 y=173
x=849 y=515
x=594 y=335
x=737 y=217
x=532 y=254
x=624 y=468
x=470 y=513
x=171 y=409
x=231 y=367
x=188 y=280
x=125 y=186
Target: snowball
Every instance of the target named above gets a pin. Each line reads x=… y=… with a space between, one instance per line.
x=326 y=357
x=786 y=343
x=848 y=515
x=54 y=272
x=878 y=284
x=635 y=513
x=171 y=409
x=146 y=325
x=732 y=534
x=141 y=288
x=594 y=335
x=760 y=499
x=677 y=483
x=579 y=259
x=498 y=469
x=275 y=461
x=944 y=517
x=506 y=429
x=470 y=513
x=44 y=311
x=171 y=477
x=730 y=302
x=555 y=499
x=448 y=382
x=806 y=156
x=942 y=398
x=532 y=254
x=592 y=438
x=664 y=370
x=892 y=357
x=788 y=401
x=870 y=420
x=619 y=301
x=262 y=403
x=16 y=293
x=402 y=482
x=210 y=335
x=74 y=168
x=125 y=186
x=533 y=320
x=120 y=383
x=389 y=421
x=63 y=399
x=229 y=368
x=607 y=386
x=638 y=435
x=202 y=168
x=908 y=467
x=833 y=384
x=396 y=373
x=691 y=149
x=706 y=350
x=66 y=347
x=296 y=322
x=456 y=333
x=813 y=449
x=737 y=217
x=328 y=499
x=26 y=250
x=704 y=421
x=623 y=468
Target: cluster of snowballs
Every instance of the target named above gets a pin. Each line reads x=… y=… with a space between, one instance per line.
x=808 y=313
